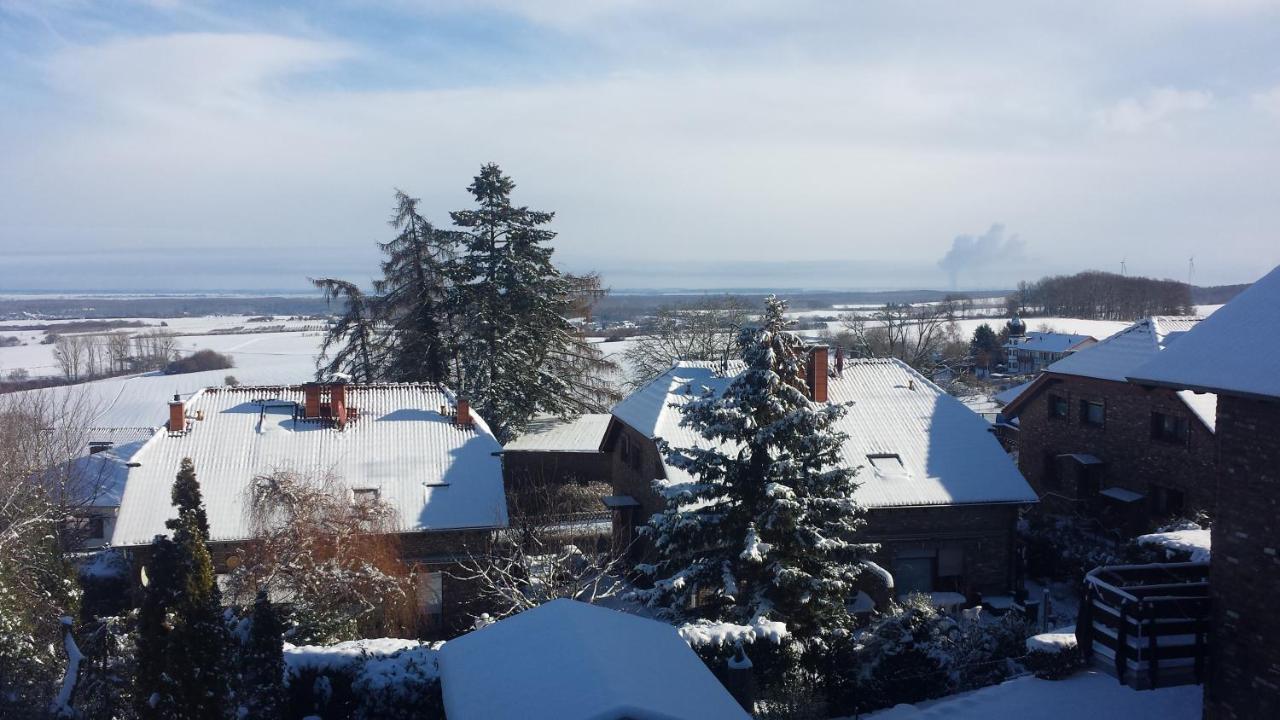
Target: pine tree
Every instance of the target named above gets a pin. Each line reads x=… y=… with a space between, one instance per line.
x=767 y=528
x=183 y=642
x=262 y=662
x=518 y=354
x=412 y=291
x=985 y=346
x=355 y=340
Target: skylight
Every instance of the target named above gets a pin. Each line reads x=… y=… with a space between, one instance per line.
x=887 y=464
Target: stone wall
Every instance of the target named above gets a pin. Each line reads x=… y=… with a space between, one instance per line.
x=1244 y=577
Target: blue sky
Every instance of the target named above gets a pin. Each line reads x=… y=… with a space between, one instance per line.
x=176 y=145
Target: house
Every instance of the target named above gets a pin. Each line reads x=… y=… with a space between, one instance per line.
x=568 y=660
x=1090 y=442
x=942 y=497
x=412 y=446
x=1035 y=351
x=1233 y=354
x=556 y=451
x=95 y=482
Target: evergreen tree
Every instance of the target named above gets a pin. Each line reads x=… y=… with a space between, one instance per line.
x=183 y=642
x=412 y=291
x=766 y=530
x=262 y=662
x=517 y=354
x=985 y=347
x=355 y=340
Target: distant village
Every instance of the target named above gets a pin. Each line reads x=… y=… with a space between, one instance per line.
x=472 y=510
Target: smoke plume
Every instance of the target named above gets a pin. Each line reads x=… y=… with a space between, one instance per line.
x=971 y=253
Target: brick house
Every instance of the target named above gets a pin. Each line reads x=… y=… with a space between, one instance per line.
x=410 y=446
x=942 y=497
x=1233 y=354
x=1092 y=443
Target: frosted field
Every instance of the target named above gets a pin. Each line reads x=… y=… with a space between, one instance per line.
x=38 y=360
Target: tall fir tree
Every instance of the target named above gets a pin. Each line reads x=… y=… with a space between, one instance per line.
x=767 y=529
x=517 y=351
x=412 y=291
x=183 y=641
x=262 y=692
x=354 y=344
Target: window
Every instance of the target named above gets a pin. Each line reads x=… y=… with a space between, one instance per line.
x=88 y=528
x=431 y=595
x=1092 y=412
x=1169 y=428
x=365 y=496
x=887 y=464
x=1057 y=407
x=626 y=450
x=913 y=575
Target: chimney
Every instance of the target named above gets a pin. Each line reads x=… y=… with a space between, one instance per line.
x=840 y=361
x=338 y=402
x=311 y=407
x=463 y=417
x=177 y=415
x=816 y=373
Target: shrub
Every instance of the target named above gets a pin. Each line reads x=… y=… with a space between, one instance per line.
x=198 y=361
x=1053 y=656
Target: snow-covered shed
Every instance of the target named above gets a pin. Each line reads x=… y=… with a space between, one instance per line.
x=568 y=660
x=942 y=493
x=400 y=443
x=1147 y=449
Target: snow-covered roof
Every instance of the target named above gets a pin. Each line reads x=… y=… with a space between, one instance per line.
x=568 y=659
x=553 y=434
x=929 y=448
x=436 y=474
x=1115 y=357
x=1050 y=342
x=1236 y=350
x=1005 y=397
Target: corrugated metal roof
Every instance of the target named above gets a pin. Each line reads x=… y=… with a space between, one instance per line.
x=435 y=474
x=1235 y=350
x=948 y=455
x=552 y=434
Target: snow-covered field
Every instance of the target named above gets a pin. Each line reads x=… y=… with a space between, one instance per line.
x=1086 y=695
x=38 y=360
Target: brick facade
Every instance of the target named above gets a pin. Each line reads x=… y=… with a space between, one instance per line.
x=1244 y=577
x=983 y=535
x=1173 y=476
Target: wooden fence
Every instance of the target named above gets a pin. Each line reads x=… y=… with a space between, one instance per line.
x=1151 y=621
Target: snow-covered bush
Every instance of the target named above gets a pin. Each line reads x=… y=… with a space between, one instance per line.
x=916 y=652
x=105 y=685
x=377 y=678
x=1053 y=656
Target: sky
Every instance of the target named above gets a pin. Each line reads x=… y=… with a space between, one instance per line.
x=178 y=145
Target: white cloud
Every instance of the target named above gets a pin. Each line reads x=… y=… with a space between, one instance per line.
x=1268 y=101
x=1155 y=110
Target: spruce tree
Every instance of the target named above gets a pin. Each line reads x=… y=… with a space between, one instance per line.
x=767 y=528
x=517 y=351
x=412 y=292
x=262 y=662
x=354 y=345
x=183 y=642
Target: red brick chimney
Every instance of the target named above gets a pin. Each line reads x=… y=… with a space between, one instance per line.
x=177 y=415
x=338 y=402
x=311 y=406
x=463 y=417
x=816 y=373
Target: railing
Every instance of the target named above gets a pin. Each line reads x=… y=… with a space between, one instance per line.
x=1152 y=620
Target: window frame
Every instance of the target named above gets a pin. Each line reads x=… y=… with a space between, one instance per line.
x=1085 y=405
x=1160 y=433
x=1054 y=399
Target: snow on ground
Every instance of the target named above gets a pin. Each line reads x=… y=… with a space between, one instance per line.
x=1086 y=695
x=1195 y=542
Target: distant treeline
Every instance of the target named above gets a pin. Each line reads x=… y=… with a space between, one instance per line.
x=1096 y=295
x=153 y=307
x=1216 y=294
x=618 y=306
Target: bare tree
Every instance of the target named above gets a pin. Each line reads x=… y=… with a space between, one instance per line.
x=550 y=549
x=118 y=351
x=68 y=350
x=331 y=553
x=919 y=335
x=705 y=330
